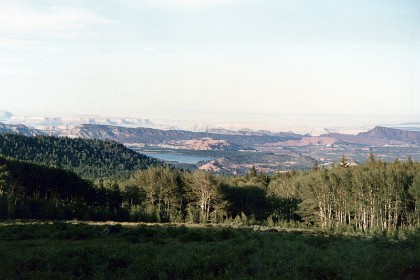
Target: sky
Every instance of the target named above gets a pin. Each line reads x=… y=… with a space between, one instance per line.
x=181 y=58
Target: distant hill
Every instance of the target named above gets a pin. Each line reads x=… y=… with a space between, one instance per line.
x=204 y=144
x=19 y=129
x=155 y=136
x=363 y=140
x=306 y=141
x=393 y=134
x=89 y=158
x=268 y=162
x=378 y=136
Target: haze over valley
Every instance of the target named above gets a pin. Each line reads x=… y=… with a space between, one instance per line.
x=313 y=124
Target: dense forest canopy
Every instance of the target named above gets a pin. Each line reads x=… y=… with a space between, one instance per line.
x=89 y=158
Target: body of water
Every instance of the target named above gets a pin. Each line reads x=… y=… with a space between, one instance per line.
x=177 y=158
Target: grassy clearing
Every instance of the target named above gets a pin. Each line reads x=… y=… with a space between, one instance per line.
x=132 y=251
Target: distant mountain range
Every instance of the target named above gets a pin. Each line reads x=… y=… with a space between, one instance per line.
x=378 y=136
x=230 y=124
x=150 y=136
x=68 y=122
x=50 y=123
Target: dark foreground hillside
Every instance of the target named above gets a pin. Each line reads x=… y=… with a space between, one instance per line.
x=31 y=191
x=91 y=159
x=81 y=251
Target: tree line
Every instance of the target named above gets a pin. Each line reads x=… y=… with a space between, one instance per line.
x=374 y=196
x=158 y=194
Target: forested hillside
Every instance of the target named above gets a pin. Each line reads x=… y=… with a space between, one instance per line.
x=89 y=158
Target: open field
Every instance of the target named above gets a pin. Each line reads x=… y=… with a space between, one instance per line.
x=139 y=251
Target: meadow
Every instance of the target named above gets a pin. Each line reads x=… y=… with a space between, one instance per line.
x=66 y=250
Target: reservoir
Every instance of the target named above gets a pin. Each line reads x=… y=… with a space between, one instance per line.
x=177 y=158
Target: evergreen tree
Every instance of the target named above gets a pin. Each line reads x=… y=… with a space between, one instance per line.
x=253 y=172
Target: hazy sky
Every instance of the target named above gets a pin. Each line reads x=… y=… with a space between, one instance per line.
x=169 y=57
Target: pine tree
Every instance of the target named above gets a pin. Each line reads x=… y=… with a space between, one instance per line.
x=344 y=163
x=371 y=160
x=253 y=172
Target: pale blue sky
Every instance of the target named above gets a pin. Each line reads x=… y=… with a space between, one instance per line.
x=162 y=57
